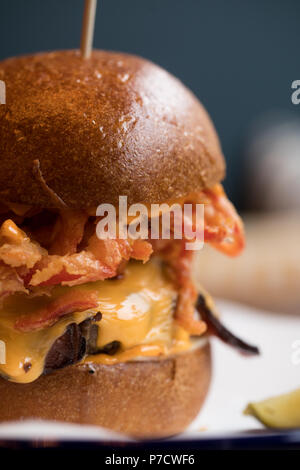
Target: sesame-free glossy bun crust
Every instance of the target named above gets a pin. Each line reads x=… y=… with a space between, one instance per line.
x=112 y=125
x=152 y=398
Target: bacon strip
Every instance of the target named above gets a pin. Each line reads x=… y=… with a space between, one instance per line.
x=112 y=252
x=16 y=249
x=100 y=261
x=179 y=262
x=10 y=281
x=223 y=226
x=70 y=270
x=69 y=232
x=70 y=302
x=141 y=250
x=223 y=229
x=26 y=265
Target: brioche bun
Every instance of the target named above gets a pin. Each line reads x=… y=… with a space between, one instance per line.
x=152 y=398
x=115 y=124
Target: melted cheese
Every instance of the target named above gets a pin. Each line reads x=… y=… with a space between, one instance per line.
x=136 y=310
x=25 y=353
x=179 y=341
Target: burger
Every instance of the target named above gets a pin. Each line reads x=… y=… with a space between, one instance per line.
x=105 y=331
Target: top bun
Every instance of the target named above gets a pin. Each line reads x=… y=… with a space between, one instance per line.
x=112 y=125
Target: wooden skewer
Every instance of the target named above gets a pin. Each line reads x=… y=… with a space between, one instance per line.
x=88 y=25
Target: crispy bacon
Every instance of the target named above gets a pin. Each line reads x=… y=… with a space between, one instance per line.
x=112 y=252
x=223 y=226
x=70 y=270
x=69 y=231
x=75 y=255
x=16 y=249
x=179 y=262
x=141 y=250
x=70 y=302
x=185 y=311
x=223 y=229
x=100 y=261
x=10 y=281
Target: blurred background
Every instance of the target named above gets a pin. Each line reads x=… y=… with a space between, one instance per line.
x=240 y=58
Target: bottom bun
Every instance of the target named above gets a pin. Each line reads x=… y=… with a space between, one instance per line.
x=152 y=398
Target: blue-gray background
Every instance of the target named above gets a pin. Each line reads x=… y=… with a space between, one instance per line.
x=238 y=56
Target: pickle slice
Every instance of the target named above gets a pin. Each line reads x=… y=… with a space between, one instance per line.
x=281 y=412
